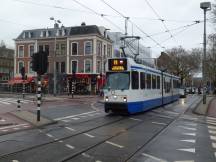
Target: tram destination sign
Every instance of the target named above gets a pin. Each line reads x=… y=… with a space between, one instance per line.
x=117 y=64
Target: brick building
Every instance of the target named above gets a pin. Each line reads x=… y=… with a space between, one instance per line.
x=82 y=49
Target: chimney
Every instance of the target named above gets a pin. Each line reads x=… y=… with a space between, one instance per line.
x=56 y=25
x=83 y=24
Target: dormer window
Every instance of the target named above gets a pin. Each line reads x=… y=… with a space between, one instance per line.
x=57 y=33
x=47 y=33
x=63 y=32
x=43 y=34
x=30 y=34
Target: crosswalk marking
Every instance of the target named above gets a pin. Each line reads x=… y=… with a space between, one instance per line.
x=9 y=101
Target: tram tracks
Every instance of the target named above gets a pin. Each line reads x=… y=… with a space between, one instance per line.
x=121 y=119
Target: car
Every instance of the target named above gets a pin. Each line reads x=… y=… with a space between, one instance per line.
x=182 y=93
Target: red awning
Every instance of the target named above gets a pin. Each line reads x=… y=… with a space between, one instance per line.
x=18 y=80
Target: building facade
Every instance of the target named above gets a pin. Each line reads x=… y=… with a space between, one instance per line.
x=6 y=64
x=81 y=49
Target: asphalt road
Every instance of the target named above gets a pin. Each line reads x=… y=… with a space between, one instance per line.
x=85 y=133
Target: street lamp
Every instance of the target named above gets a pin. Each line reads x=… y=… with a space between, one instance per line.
x=54 y=70
x=206 y=6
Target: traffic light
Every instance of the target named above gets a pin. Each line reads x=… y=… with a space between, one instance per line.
x=40 y=62
x=22 y=71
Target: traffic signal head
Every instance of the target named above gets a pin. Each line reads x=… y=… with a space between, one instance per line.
x=35 y=62
x=40 y=62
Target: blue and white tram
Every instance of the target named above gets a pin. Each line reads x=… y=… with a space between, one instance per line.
x=133 y=88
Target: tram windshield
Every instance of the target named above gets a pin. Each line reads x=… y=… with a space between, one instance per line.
x=118 y=81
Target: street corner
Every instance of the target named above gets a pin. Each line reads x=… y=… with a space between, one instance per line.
x=211 y=110
x=32 y=118
x=10 y=123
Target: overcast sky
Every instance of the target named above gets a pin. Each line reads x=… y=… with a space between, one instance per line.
x=18 y=15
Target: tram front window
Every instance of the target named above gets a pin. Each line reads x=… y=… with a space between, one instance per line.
x=118 y=81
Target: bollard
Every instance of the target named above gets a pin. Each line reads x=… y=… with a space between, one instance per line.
x=18 y=105
x=23 y=90
x=38 y=99
x=72 y=92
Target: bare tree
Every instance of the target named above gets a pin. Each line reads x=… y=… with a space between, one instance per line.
x=180 y=62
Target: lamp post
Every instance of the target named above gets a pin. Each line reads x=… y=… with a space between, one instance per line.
x=54 y=57
x=206 y=6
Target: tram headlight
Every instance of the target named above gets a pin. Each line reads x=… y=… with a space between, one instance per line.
x=125 y=99
x=106 y=98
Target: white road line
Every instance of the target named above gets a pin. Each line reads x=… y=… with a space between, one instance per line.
x=15 y=161
x=135 y=119
x=192 y=150
x=26 y=126
x=6 y=103
x=214 y=145
x=69 y=146
x=71 y=116
x=211 y=118
x=190 y=140
x=191 y=124
x=188 y=128
x=86 y=155
x=159 y=123
x=60 y=141
x=185 y=161
x=189 y=134
x=211 y=127
x=212 y=132
x=56 y=139
x=49 y=135
x=213 y=138
x=153 y=157
x=2 y=120
x=71 y=129
x=89 y=135
x=5 y=130
x=114 y=144
x=75 y=118
x=66 y=121
x=211 y=123
x=12 y=126
x=16 y=128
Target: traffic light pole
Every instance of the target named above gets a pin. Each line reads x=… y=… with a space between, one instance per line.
x=38 y=97
x=23 y=88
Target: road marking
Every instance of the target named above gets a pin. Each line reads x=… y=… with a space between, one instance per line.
x=69 y=146
x=185 y=161
x=83 y=116
x=71 y=116
x=15 y=161
x=211 y=127
x=75 y=118
x=6 y=103
x=89 y=135
x=212 y=132
x=49 y=135
x=214 y=145
x=192 y=150
x=60 y=141
x=213 y=138
x=190 y=140
x=26 y=126
x=211 y=118
x=16 y=128
x=190 y=134
x=86 y=155
x=66 y=121
x=5 y=130
x=191 y=124
x=211 y=123
x=2 y=120
x=188 y=128
x=153 y=157
x=71 y=129
x=56 y=139
x=12 y=126
x=159 y=123
x=114 y=144
x=135 y=119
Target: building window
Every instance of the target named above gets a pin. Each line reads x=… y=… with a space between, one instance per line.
x=30 y=68
x=63 y=49
x=104 y=50
x=88 y=48
x=99 y=48
x=62 y=67
x=98 y=67
x=158 y=82
x=74 y=50
x=57 y=67
x=47 y=49
x=74 y=66
x=20 y=51
x=88 y=66
x=108 y=51
x=40 y=47
x=20 y=65
x=31 y=50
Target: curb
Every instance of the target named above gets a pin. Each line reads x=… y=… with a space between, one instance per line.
x=197 y=105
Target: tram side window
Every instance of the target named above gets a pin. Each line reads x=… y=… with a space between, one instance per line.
x=142 y=80
x=153 y=82
x=148 y=81
x=135 y=80
x=158 y=82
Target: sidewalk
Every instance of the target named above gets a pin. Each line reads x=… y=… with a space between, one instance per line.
x=208 y=109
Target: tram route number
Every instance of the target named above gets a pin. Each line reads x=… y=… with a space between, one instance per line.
x=117 y=64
